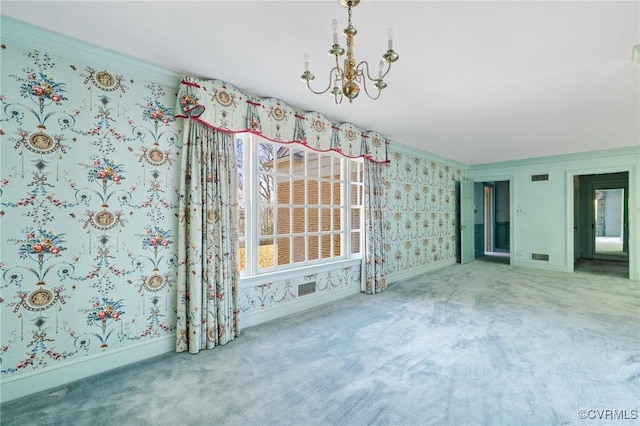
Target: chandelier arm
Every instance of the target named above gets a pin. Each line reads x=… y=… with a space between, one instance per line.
x=369 y=75
x=362 y=72
x=330 y=82
x=366 y=90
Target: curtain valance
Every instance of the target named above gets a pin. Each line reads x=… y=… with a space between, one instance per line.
x=222 y=106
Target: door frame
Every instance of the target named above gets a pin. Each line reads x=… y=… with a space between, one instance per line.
x=633 y=229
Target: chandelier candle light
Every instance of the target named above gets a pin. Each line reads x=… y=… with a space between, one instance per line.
x=349 y=76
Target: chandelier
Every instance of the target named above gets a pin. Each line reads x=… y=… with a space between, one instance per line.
x=346 y=81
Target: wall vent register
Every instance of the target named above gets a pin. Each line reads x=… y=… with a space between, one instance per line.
x=307 y=288
x=540 y=256
x=538 y=178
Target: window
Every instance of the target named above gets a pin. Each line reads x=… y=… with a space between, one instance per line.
x=297 y=206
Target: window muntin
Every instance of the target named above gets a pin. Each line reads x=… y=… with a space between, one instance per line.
x=297 y=206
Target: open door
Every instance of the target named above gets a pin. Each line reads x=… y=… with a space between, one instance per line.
x=467 y=232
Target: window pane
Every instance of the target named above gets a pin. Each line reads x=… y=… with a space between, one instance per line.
x=355 y=218
x=283 y=159
x=283 y=250
x=266 y=188
x=354 y=170
x=298 y=191
x=325 y=249
x=325 y=219
x=325 y=193
x=299 y=221
x=299 y=249
x=355 y=242
x=312 y=190
x=355 y=195
x=298 y=161
x=314 y=247
x=337 y=217
x=265 y=220
x=337 y=238
x=312 y=164
x=336 y=194
x=266 y=156
x=282 y=190
x=284 y=220
x=325 y=166
x=335 y=169
x=313 y=220
x=266 y=254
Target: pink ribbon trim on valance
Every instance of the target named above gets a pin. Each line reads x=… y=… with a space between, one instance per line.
x=221 y=106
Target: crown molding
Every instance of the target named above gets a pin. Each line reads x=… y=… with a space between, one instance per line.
x=628 y=151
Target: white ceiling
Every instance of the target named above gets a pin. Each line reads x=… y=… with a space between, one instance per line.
x=476 y=82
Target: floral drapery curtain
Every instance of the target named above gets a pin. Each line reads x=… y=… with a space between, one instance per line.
x=207 y=312
x=374 y=276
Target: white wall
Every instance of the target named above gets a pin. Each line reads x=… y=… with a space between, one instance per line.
x=613 y=213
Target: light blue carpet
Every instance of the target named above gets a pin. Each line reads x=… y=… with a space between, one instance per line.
x=481 y=343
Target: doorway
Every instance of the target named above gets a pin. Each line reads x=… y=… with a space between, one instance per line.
x=493 y=221
x=601 y=224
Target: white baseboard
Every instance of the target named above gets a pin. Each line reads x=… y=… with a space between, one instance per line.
x=541 y=265
x=54 y=376
x=405 y=275
x=301 y=304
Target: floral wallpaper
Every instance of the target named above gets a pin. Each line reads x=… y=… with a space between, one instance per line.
x=421 y=210
x=87 y=212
